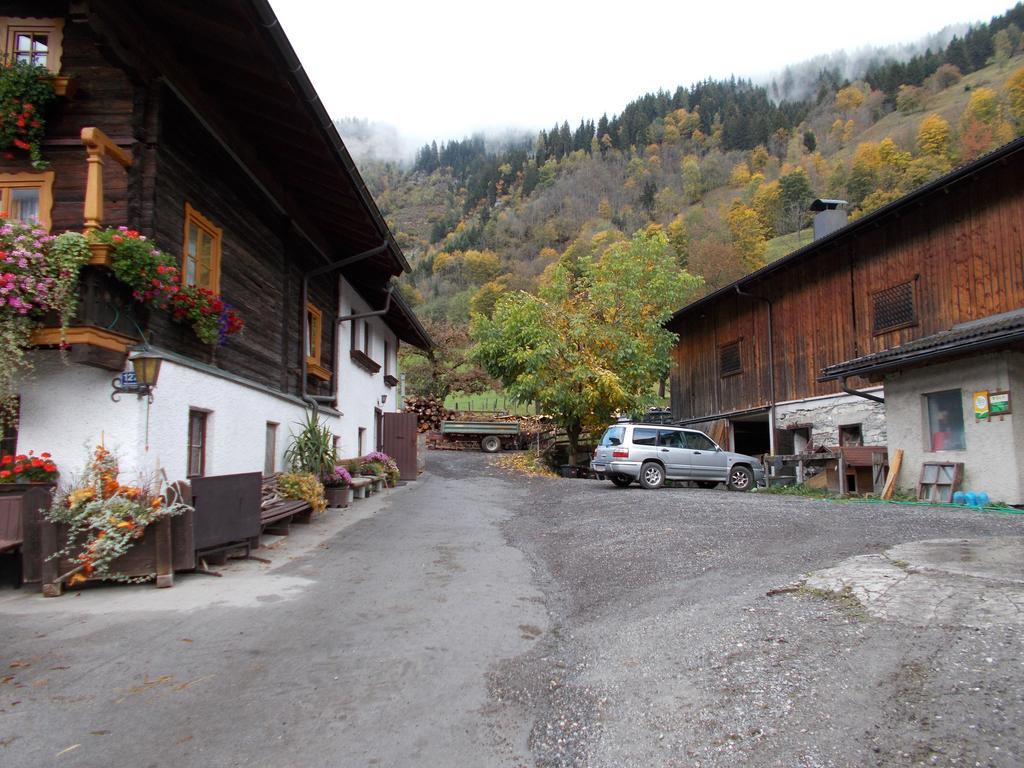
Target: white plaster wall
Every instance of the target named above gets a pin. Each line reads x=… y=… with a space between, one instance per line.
x=827 y=414
x=359 y=392
x=992 y=456
x=66 y=410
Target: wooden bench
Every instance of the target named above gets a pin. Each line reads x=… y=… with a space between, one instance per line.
x=362 y=487
x=275 y=518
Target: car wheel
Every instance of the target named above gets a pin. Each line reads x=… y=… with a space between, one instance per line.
x=490 y=444
x=622 y=481
x=740 y=479
x=652 y=475
x=707 y=483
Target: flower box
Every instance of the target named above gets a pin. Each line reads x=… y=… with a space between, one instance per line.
x=63 y=85
x=165 y=547
x=101 y=254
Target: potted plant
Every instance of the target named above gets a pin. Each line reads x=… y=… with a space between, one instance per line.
x=338 y=487
x=303 y=486
x=27 y=468
x=383 y=466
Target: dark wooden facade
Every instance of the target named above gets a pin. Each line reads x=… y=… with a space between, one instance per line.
x=959 y=241
x=209 y=102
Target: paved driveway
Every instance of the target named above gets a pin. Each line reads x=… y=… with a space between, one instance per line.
x=477 y=618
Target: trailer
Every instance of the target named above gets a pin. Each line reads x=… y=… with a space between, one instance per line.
x=492 y=435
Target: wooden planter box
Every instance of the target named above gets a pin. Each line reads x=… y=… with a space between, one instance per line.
x=164 y=548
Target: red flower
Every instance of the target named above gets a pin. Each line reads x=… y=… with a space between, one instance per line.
x=5 y=473
x=21 y=457
x=21 y=144
x=37 y=463
x=18 y=469
x=6 y=460
x=50 y=466
x=45 y=455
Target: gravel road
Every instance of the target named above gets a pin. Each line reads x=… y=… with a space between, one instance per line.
x=481 y=618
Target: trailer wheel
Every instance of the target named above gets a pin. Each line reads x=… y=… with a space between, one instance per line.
x=490 y=444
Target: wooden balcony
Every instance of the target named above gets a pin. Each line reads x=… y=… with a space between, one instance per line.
x=105 y=326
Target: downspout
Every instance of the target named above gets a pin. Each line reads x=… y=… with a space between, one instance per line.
x=359 y=316
x=771 y=369
x=858 y=393
x=316 y=400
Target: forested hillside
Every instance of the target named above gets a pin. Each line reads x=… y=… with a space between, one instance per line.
x=725 y=168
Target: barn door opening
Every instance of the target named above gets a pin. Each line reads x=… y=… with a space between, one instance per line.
x=750 y=434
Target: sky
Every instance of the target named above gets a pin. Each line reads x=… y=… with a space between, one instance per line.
x=448 y=68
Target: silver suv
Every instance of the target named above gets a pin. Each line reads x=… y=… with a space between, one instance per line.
x=652 y=453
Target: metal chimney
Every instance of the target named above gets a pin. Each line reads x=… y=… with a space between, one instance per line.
x=830 y=216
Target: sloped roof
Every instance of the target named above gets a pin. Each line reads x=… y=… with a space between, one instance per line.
x=997 y=155
x=976 y=335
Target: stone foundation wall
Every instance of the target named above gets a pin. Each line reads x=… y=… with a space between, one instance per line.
x=826 y=416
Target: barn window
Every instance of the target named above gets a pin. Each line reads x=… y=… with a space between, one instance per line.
x=196 y=443
x=894 y=308
x=33 y=41
x=201 y=258
x=27 y=197
x=729 y=360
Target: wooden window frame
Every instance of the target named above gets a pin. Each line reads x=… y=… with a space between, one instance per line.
x=912 y=282
x=53 y=28
x=41 y=180
x=366 y=339
x=314 y=327
x=270 y=448
x=739 y=354
x=203 y=446
x=387 y=358
x=192 y=216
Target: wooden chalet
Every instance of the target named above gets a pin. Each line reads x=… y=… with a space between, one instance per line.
x=195 y=124
x=749 y=363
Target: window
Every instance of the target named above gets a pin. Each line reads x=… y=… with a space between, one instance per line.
x=196 y=443
x=670 y=438
x=314 y=333
x=200 y=263
x=729 y=360
x=362 y=441
x=697 y=441
x=34 y=41
x=613 y=436
x=270 y=454
x=387 y=359
x=366 y=338
x=894 y=308
x=945 y=415
x=645 y=436
x=27 y=197
x=851 y=434
x=9 y=435
x=353 y=345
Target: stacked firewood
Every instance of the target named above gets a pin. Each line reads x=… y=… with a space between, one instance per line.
x=430 y=412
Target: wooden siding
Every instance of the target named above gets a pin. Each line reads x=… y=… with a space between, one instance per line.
x=962 y=247
x=261 y=265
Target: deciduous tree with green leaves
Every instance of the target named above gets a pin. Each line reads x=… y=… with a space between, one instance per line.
x=591 y=343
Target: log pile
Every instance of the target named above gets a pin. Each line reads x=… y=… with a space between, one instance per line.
x=430 y=412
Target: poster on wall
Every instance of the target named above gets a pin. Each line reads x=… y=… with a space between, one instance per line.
x=999 y=404
x=981 y=405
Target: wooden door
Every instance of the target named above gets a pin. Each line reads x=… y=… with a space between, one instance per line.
x=400 y=433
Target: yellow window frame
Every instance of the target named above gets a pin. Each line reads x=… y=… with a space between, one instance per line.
x=215 y=233
x=43 y=181
x=314 y=329
x=10 y=27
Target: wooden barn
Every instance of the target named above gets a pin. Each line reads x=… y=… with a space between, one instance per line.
x=195 y=125
x=750 y=364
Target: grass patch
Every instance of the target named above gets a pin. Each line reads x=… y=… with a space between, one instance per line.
x=803 y=491
x=783 y=245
